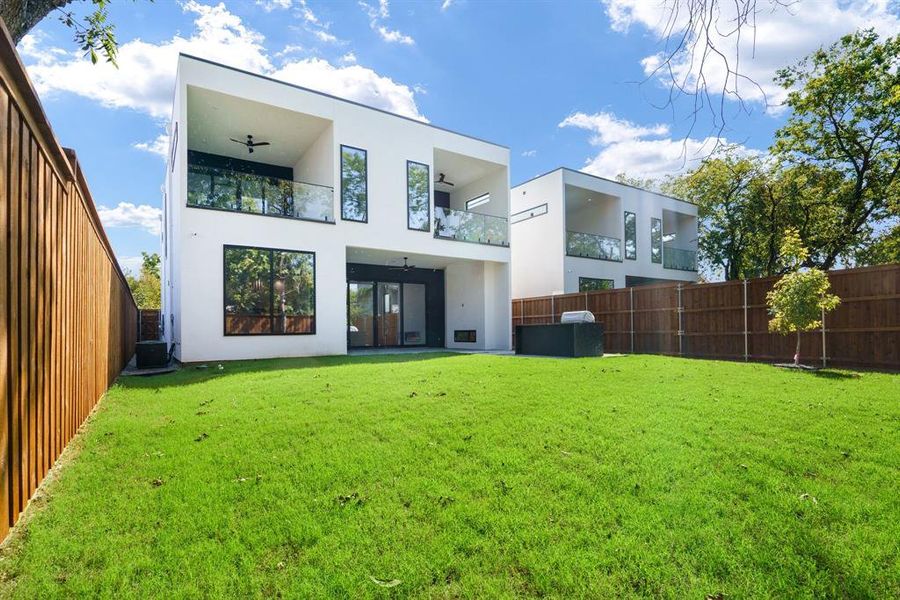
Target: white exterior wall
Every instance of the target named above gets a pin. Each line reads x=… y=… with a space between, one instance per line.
x=539 y=242
x=538 y=245
x=195 y=269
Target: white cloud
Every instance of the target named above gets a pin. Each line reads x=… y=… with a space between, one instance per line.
x=312 y=24
x=126 y=214
x=146 y=73
x=349 y=59
x=608 y=129
x=377 y=16
x=783 y=35
x=158 y=146
x=352 y=81
x=394 y=36
x=446 y=4
x=270 y=5
x=529 y=153
x=131 y=264
x=624 y=147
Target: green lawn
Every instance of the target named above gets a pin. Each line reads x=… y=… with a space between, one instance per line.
x=475 y=476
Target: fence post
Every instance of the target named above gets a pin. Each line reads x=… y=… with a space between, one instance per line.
x=680 y=322
x=552 y=308
x=585 y=301
x=746 y=330
x=631 y=295
x=140 y=330
x=824 y=355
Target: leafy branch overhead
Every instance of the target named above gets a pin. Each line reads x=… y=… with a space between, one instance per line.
x=93 y=32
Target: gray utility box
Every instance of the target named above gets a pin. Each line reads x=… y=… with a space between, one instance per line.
x=560 y=339
x=151 y=355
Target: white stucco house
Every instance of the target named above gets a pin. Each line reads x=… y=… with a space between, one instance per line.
x=572 y=231
x=297 y=223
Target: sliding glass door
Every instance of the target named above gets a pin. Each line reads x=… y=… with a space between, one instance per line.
x=382 y=314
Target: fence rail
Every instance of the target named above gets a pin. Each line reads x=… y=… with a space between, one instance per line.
x=730 y=320
x=68 y=322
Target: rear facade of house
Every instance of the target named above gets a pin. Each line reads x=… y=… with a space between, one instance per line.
x=296 y=223
x=575 y=232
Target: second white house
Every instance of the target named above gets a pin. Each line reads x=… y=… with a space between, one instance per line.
x=575 y=232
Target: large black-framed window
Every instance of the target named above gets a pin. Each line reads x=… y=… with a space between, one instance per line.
x=592 y=284
x=269 y=291
x=630 y=236
x=655 y=240
x=418 y=196
x=354 y=184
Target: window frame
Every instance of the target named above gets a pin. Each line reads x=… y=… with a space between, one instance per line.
x=625 y=235
x=366 y=152
x=479 y=200
x=225 y=248
x=534 y=212
x=427 y=228
x=656 y=260
x=580 y=279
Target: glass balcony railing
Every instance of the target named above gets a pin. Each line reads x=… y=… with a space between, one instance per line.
x=589 y=245
x=224 y=189
x=468 y=226
x=677 y=258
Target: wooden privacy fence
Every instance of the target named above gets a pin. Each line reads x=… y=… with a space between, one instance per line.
x=68 y=322
x=730 y=320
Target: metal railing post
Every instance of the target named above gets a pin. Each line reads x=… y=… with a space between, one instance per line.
x=746 y=330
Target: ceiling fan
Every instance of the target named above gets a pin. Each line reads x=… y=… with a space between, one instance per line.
x=250 y=143
x=442 y=180
x=405 y=267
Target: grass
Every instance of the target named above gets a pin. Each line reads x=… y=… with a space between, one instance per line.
x=475 y=476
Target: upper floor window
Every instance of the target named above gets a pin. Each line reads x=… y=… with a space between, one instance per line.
x=418 y=196
x=630 y=235
x=478 y=201
x=269 y=292
x=354 y=185
x=656 y=240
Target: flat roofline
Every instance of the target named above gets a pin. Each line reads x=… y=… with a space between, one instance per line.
x=613 y=181
x=333 y=97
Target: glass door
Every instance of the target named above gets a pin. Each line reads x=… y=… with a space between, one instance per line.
x=388 y=314
x=361 y=317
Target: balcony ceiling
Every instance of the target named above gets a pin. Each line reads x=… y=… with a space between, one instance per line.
x=578 y=197
x=460 y=169
x=213 y=118
x=390 y=258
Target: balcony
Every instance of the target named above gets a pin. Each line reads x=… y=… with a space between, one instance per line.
x=225 y=189
x=589 y=245
x=679 y=259
x=465 y=226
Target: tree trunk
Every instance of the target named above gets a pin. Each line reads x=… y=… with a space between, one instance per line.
x=21 y=15
x=797 y=353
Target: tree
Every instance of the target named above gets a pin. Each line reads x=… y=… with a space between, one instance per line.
x=722 y=188
x=798 y=300
x=94 y=34
x=845 y=119
x=146 y=287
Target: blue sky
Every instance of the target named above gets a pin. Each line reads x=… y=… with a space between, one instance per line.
x=560 y=83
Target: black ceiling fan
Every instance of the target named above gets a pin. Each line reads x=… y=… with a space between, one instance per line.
x=250 y=143
x=405 y=267
x=442 y=180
